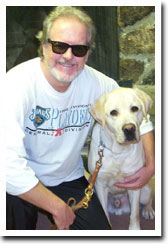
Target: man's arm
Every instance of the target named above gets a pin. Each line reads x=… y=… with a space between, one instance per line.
x=142 y=176
x=43 y=198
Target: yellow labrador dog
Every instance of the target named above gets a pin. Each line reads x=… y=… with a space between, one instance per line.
x=119 y=115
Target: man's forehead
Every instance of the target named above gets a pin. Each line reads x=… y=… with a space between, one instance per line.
x=69 y=26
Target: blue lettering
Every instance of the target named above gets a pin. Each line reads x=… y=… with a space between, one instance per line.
x=33 y=115
x=69 y=117
x=82 y=116
x=55 y=115
x=75 y=116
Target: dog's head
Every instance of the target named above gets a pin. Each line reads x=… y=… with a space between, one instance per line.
x=121 y=112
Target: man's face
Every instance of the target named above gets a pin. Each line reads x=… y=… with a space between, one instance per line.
x=66 y=67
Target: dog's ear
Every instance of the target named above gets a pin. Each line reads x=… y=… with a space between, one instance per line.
x=97 y=109
x=145 y=100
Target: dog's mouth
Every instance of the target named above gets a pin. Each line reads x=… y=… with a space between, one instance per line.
x=126 y=142
x=130 y=137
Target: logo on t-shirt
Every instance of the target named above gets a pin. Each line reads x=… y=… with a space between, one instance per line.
x=39 y=115
x=55 y=122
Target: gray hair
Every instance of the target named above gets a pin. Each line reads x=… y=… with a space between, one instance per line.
x=66 y=11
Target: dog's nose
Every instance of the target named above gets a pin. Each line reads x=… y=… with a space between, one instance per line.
x=128 y=128
x=129 y=131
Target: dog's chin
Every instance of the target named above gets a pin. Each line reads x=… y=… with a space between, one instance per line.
x=126 y=142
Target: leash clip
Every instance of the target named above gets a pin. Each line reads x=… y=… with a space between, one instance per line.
x=101 y=155
x=88 y=195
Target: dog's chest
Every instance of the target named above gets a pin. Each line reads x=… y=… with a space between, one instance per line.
x=111 y=170
x=115 y=168
x=118 y=161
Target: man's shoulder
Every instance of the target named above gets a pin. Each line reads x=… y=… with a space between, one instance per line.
x=92 y=71
x=25 y=67
x=99 y=78
x=24 y=74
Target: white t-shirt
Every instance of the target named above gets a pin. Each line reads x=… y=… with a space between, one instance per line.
x=46 y=130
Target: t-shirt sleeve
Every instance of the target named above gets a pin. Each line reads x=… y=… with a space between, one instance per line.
x=20 y=178
x=146 y=125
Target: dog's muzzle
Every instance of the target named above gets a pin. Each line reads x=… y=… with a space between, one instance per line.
x=129 y=132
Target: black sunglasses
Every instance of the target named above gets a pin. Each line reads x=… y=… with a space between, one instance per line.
x=61 y=47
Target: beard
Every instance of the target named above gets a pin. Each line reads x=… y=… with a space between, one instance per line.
x=63 y=76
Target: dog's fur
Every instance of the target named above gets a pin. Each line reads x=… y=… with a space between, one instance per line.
x=119 y=115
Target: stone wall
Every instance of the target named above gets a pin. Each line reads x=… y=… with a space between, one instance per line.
x=137 y=44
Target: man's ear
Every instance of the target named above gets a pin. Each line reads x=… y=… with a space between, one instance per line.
x=97 y=109
x=44 y=46
x=145 y=100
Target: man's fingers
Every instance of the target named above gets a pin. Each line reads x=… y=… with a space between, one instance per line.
x=131 y=179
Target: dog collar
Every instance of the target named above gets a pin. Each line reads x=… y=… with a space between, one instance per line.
x=101 y=145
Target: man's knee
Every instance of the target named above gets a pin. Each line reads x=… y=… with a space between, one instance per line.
x=20 y=215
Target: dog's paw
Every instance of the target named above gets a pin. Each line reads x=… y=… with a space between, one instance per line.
x=134 y=226
x=148 y=212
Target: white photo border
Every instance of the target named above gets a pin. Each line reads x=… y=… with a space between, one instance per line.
x=158 y=192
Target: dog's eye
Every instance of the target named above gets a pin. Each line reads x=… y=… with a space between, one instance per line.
x=134 y=109
x=114 y=113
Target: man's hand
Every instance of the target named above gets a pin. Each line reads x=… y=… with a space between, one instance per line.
x=64 y=217
x=137 y=180
x=43 y=198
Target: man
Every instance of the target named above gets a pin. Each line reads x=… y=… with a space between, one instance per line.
x=48 y=121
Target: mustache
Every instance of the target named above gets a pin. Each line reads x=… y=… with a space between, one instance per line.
x=66 y=62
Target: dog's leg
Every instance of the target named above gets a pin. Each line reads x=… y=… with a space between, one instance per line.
x=146 y=200
x=102 y=193
x=134 y=198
